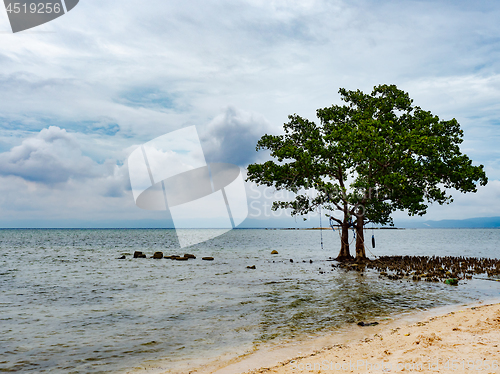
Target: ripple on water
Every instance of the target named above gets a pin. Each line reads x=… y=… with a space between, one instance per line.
x=67 y=305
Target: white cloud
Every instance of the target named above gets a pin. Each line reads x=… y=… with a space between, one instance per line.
x=51 y=157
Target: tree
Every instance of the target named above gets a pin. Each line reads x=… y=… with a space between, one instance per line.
x=373 y=155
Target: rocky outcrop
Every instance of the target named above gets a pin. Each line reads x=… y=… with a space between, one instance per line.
x=424 y=268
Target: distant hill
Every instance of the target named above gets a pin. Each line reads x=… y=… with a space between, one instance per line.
x=480 y=222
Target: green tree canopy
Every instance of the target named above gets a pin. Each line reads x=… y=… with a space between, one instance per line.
x=373 y=155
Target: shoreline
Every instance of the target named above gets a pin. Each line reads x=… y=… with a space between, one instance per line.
x=386 y=345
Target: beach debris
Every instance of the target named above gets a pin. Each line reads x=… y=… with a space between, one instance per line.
x=251 y=267
x=427 y=340
x=208 y=258
x=158 y=255
x=152 y=342
x=451 y=281
x=188 y=255
x=367 y=323
x=274 y=252
x=139 y=254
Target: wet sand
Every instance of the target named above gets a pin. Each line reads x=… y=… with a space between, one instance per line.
x=458 y=339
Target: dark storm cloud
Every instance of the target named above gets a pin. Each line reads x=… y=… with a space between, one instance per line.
x=232 y=136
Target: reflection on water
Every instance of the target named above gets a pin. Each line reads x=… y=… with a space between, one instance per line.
x=68 y=305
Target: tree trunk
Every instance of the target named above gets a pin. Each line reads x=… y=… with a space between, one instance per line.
x=344 y=253
x=360 y=239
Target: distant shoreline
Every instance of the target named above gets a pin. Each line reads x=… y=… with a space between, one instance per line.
x=246 y=228
x=366 y=228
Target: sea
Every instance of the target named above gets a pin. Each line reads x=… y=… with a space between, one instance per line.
x=68 y=304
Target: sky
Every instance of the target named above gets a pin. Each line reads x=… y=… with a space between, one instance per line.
x=79 y=94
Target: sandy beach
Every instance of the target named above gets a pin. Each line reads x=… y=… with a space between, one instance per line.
x=465 y=340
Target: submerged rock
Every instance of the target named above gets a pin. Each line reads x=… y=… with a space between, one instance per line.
x=367 y=323
x=208 y=258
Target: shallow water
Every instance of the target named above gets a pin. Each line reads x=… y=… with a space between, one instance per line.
x=67 y=305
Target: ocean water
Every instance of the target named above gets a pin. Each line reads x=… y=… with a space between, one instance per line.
x=68 y=305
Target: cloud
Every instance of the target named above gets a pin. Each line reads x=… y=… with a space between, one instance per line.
x=53 y=156
x=232 y=136
x=115 y=75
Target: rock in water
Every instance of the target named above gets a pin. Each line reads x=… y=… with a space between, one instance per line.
x=367 y=323
x=251 y=267
x=137 y=254
x=158 y=255
x=452 y=281
x=187 y=255
x=274 y=252
x=208 y=258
